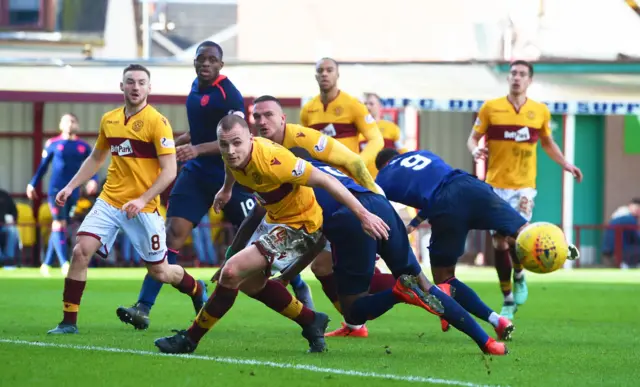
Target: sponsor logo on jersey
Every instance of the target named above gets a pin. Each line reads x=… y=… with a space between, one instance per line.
x=329 y=130
x=322 y=143
x=299 y=168
x=519 y=135
x=123 y=149
x=275 y=161
x=167 y=143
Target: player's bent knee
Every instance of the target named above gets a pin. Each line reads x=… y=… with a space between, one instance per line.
x=82 y=253
x=178 y=230
x=500 y=242
x=230 y=275
x=58 y=225
x=322 y=265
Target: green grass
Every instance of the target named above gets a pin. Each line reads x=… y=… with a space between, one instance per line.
x=579 y=328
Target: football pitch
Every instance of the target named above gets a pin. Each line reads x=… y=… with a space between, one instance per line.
x=579 y=328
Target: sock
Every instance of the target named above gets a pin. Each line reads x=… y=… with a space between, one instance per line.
x=503 y=267
x=517 y=266
x=151 y=287
x=48 y=259
x=330 y=289
x=468 y=299
x=277 y=297
x=297 y=282
x=371 y=307
x=71 y=300
x=459 y=318
x=381 y=282
x=189 y=286
x=218 y=304
x=59 y=241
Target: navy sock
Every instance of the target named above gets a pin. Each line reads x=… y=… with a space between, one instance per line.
x=297 y=282
x=48 y=258
x=468 y=299
x=371 y=307
x=459 y=318
x=151 y=287
x=59 y=241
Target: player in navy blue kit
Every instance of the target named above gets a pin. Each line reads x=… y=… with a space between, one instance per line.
x=354 y=256
x=65 y=154
x=454 y=202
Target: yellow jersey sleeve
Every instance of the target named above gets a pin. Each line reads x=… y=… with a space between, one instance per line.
x=287 y=168
x=367 y=126
x=163 y=136
x=482 y=121
x=304 y=118
x=545 y=130
x=102 y=143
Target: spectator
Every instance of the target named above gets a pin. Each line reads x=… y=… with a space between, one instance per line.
x=9 y=237
x=625 y=221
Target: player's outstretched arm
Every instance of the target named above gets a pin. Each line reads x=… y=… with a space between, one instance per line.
x=372 y=225
x=47 y=156
x=224 y=195
x=554 y=152
x=341 y=156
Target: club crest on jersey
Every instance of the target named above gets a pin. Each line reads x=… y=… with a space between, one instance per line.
x=60 y=147
x=322 y=144
x=204 y=100
x=520 y=135
x=298 y=170
x=531 y=114
x=124 y=149
x=338 y=111
x=137 y=125
x=81 y=148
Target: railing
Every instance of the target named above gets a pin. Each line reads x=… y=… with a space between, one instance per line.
x=590 y=239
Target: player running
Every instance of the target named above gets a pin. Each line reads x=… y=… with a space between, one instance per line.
x=513 y=124
x=354 y=254
x=281 y=183
x=212 y=97
x=143 y=164
x=65 y=153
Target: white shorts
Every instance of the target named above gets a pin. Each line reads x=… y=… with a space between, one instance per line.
x=282 y=245
x=520 y=200
x=146 y=231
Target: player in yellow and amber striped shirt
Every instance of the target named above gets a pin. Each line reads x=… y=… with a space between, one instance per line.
x=513 y=124
x=341 y=116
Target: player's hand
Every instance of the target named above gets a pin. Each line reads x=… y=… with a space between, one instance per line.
x=63 y=195
x=480 y=153
x=374 y=226
x=91 y=187
x=222 y=198
x=31 y=192
x=186 y=152
x=410 y=229
x=133 y=207
x=575 y=171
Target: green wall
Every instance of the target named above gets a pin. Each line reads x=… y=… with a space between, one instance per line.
x=548 y=202
x=589 y=195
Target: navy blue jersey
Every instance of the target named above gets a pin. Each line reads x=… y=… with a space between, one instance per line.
x=65 y=157
x=325 y=200
x=205 y=108
x=413 y=178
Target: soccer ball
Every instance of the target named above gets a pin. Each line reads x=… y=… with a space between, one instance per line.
x=542 y=247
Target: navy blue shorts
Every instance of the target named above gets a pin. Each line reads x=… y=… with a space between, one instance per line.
x=465 y=203
x=192 y=197
x=62 y=213
x=354 y=252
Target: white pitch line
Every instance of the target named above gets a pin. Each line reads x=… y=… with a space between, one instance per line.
x=229 y=360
